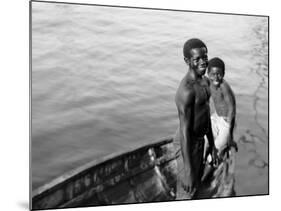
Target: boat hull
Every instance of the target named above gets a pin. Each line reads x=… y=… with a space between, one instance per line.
x=144 y=174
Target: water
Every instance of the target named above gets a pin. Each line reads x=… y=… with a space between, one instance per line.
x=104 y=79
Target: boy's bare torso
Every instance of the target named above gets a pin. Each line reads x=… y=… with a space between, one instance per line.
x=201 y=91
x=219 y=97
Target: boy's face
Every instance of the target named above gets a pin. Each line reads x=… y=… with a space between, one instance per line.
x=215 y=75
x=198 y=60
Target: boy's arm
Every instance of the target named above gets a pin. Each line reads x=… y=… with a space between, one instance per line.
x=231 y=103
x=209 y=134
x=185 y=102
x=210 y=138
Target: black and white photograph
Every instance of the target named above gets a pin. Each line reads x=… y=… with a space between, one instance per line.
x=137 y=105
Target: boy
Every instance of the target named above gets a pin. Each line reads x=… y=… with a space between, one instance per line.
x=192 y=101
x=223 y=106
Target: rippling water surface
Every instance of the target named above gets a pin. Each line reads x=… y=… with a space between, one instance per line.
x=104 y=79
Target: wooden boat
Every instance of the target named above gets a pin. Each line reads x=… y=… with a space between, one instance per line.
x=148 y=173
x=143 y=174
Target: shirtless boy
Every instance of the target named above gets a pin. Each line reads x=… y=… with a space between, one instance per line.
x=192 y=101
x=223 y=107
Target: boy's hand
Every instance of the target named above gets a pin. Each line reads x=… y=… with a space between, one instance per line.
x=232 y=143
x=225 y=150
x=215 y=157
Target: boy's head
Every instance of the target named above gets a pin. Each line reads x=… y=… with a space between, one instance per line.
x=195 y=55
x=216 y=70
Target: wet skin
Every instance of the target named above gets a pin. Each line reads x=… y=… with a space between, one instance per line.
x=198 y=87
x=192 y=100
x=224 y=99
x=222 y=95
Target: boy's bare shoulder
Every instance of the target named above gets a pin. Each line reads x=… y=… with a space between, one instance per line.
x=185 y=92
x=225 y=85
x=227 y=89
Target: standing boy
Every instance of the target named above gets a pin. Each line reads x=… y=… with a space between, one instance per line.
x=192 y=101
x=223 y=106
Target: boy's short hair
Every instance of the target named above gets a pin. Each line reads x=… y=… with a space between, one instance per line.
x=216 y=62
x=191 y=44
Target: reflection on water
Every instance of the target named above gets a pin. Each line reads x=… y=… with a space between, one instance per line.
x=104 y=79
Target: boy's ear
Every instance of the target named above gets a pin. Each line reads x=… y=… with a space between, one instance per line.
x=187 y=61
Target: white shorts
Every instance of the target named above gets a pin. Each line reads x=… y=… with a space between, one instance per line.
x=221 y=131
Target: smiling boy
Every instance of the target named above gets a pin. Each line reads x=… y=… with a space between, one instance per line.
x=192 y=101
x=223 y=106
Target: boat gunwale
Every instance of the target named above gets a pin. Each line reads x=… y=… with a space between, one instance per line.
x=78 y=172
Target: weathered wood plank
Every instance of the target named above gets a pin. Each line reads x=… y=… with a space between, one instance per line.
x=120 y=193
x=148 y=185
x=98 y=183
x=170 y=172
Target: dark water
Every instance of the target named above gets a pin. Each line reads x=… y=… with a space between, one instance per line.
x=104 y=80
